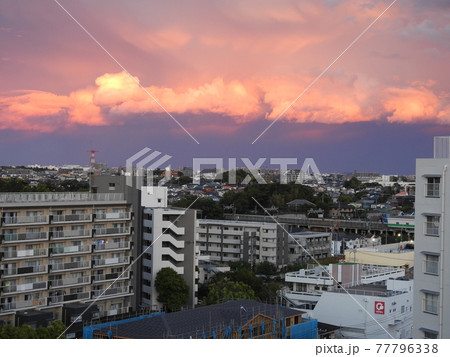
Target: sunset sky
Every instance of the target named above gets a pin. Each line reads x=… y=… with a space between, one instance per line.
x=224 y=70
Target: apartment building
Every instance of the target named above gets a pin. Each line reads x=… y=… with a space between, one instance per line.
x=432 y=250
x=256 y=242
x=60 y=248
x=163 y=237
x=224 y=241
x=169 y=241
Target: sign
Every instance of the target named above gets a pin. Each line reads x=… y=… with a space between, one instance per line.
x=379 y=307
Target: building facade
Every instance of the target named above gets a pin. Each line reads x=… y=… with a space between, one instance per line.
x=59 y=248
x=432 y=227
x=257 y=242
x=169 y=241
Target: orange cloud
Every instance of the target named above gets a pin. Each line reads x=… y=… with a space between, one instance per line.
x=336 y=99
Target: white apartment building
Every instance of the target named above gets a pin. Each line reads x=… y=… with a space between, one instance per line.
x=432 y=249
x=61 y=248
x=224 y=241
x=256 y=242
x=364 y=301
x=169 y=241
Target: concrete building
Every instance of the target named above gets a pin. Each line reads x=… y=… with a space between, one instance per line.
x=60 y=248
x=169 y=241
x=363 y=301
x=224 y=241
x=432 y=250
x=394 y=254
x=256 y=242
x=168 y=233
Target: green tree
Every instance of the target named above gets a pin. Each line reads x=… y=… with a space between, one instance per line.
x=209 y=208
x=353 y=183
x=227 y=289
x=173 y=292
x=56 y=329
x=266 y=268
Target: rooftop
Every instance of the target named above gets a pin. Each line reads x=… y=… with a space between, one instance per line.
x=44 y=197
x=196 y=322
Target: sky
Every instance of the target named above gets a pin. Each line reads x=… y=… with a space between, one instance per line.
x=205 y=78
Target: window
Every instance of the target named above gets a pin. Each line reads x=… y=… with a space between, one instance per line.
x=430 y=303
x=432 y=225
x=431 y=264
x=430 y=335
x=432 y=186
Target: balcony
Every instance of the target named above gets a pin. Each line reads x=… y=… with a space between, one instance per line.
x=79 y=233
x=111 y=246
x=22 y=304
x=76 y=249
x=24 y=220
x=123 y=310
x=112 y=276
x=72 y=218
x=71 y=266
x=26 y=237
x=23 y=254
x=24 y=287
x=69 y=282
x=106 y=293
x=116 y=231
x=167 y=225
x=52 y=300
x=40 y=269
x=111 y=261
x=112 y=216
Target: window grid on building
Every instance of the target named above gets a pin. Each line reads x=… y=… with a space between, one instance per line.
x=432 y=225
x=431 y=264
x=432 y=186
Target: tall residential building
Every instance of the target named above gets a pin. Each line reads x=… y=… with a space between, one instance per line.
x=169 y=241
x=60 y=248
x=432 y=250
x=163 y=236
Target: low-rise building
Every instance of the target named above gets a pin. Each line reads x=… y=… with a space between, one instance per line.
x=364 y=301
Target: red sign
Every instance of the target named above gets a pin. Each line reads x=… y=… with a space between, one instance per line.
x=379 y=307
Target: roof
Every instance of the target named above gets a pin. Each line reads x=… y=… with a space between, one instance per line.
x=195 y=322
x=300 y=202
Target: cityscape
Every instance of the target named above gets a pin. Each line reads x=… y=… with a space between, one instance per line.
x=225 y=170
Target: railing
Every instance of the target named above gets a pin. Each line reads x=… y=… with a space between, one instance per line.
x=123 y=310
x=112 y=231
x=71 y=249
x=24 y=287
x=111 y=261
x=81 y=233
x=112 y=216
x=111 y=291
x=112 y=246
x=69 y=281
x=71 y=265
x=112 y=276
x=17 y=254
x=17 y=220
x=17 y=197
x=359 y=290
x=29 y=236
x=69 y=297
x=22 y=304
x=72 y=218
x=25 y=270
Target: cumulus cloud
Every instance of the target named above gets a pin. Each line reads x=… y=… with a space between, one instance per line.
x=338 y=99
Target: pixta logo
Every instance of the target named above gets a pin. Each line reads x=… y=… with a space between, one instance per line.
x=142 y=165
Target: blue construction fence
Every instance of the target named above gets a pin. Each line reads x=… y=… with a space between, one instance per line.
x=306 y=330
x=88 y=331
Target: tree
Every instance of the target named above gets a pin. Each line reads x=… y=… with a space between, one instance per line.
x=266 y=268
x=227 y=289
x=173 y=292
x=55 y=330
x=353 y=183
